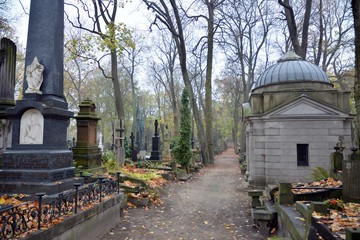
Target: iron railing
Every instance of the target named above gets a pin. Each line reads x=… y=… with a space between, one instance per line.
x=15 y=221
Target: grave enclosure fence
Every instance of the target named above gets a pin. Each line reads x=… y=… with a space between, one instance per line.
x=17 y=221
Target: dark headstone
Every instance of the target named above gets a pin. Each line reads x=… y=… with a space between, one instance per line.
x=351 y=179
x=7 y=74
x=336 y=161
x=155 y=153
x=133 y=150
x=47 y=165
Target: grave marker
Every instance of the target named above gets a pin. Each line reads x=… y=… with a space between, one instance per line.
x=7 y=87
x=36 y=165
x=155 y=153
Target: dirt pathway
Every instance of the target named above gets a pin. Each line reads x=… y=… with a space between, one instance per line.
x=213 y=204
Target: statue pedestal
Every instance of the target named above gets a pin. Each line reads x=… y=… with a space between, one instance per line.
x=45 y=167
x=86 y=152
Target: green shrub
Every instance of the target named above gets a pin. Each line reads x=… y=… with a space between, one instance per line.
x=110 y=162
x=182 y=149
x=319 y=173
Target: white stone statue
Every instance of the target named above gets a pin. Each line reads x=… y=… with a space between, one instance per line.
x=34 y=76
x=101 y=146
x=31 y=127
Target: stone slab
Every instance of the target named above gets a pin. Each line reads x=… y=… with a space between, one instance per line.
x=289 y=221
x=34 y=187
x=185 y=177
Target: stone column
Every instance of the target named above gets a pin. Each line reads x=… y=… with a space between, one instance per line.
x=166 y=151
x=86 y=152
x=7 y=87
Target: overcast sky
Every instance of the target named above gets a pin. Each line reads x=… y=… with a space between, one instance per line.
x=130 y=15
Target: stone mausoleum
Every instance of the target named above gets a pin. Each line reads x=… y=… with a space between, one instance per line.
x=293 y=121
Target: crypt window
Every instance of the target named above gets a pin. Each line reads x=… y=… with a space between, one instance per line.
x=302 y=154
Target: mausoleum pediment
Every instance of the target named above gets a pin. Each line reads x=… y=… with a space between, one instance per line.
x=305 y=107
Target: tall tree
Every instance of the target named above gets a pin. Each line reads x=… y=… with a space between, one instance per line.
x=299 y=48
x=170 y=17
x=355 y=5
x=245 y=28
x=211 y=6
x=130 y=62
x=331 y=37
x=111 y=36
x=182 y=151
x=76 y=72
x=165 y=71
x=5 y=27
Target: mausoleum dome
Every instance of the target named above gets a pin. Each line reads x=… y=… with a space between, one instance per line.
x=292 y=69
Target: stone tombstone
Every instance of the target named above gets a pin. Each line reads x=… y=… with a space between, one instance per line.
x=39 y=159
x=155 y=152
x=119 y=143
x=31 y=127
x=7 y=87
x=87 y=154
x=351 y=179
x=134 y=157
x=7 y=72
x=336 y=161
x=166 y=151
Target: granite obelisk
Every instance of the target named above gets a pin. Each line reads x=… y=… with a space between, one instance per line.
x=39 y=160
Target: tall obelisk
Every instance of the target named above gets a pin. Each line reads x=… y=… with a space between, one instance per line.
x=39 y=160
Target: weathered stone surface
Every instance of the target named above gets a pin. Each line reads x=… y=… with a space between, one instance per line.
x=7 y=72
x=41 y=165
x=351 y=180
x=86 y=152
x=45 y=41
x=285 y=194
x=89 y=224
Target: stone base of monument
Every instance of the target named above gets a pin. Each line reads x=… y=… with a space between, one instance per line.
x=34 y=187
x=32 y=171
x=87 y=157
x=155 y=156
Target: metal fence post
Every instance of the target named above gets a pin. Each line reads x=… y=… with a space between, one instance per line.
x=40 y=195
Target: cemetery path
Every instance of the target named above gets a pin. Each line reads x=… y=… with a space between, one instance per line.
x=213 y=204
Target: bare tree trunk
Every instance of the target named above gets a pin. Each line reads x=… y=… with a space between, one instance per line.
x=173 y=23
x=208 y=88
x=293 y=30
x=118 y=94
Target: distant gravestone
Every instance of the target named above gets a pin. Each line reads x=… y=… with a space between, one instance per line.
x=351 y=178
x=166 y=152
x=155 y=152
x=133 y=150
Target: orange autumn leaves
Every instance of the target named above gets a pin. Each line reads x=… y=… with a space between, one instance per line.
x=339 y=218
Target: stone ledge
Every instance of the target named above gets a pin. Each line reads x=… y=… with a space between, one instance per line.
x=88 y=224
x=290 y=221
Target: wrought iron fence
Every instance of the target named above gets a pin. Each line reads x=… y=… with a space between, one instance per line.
x=31 y=216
